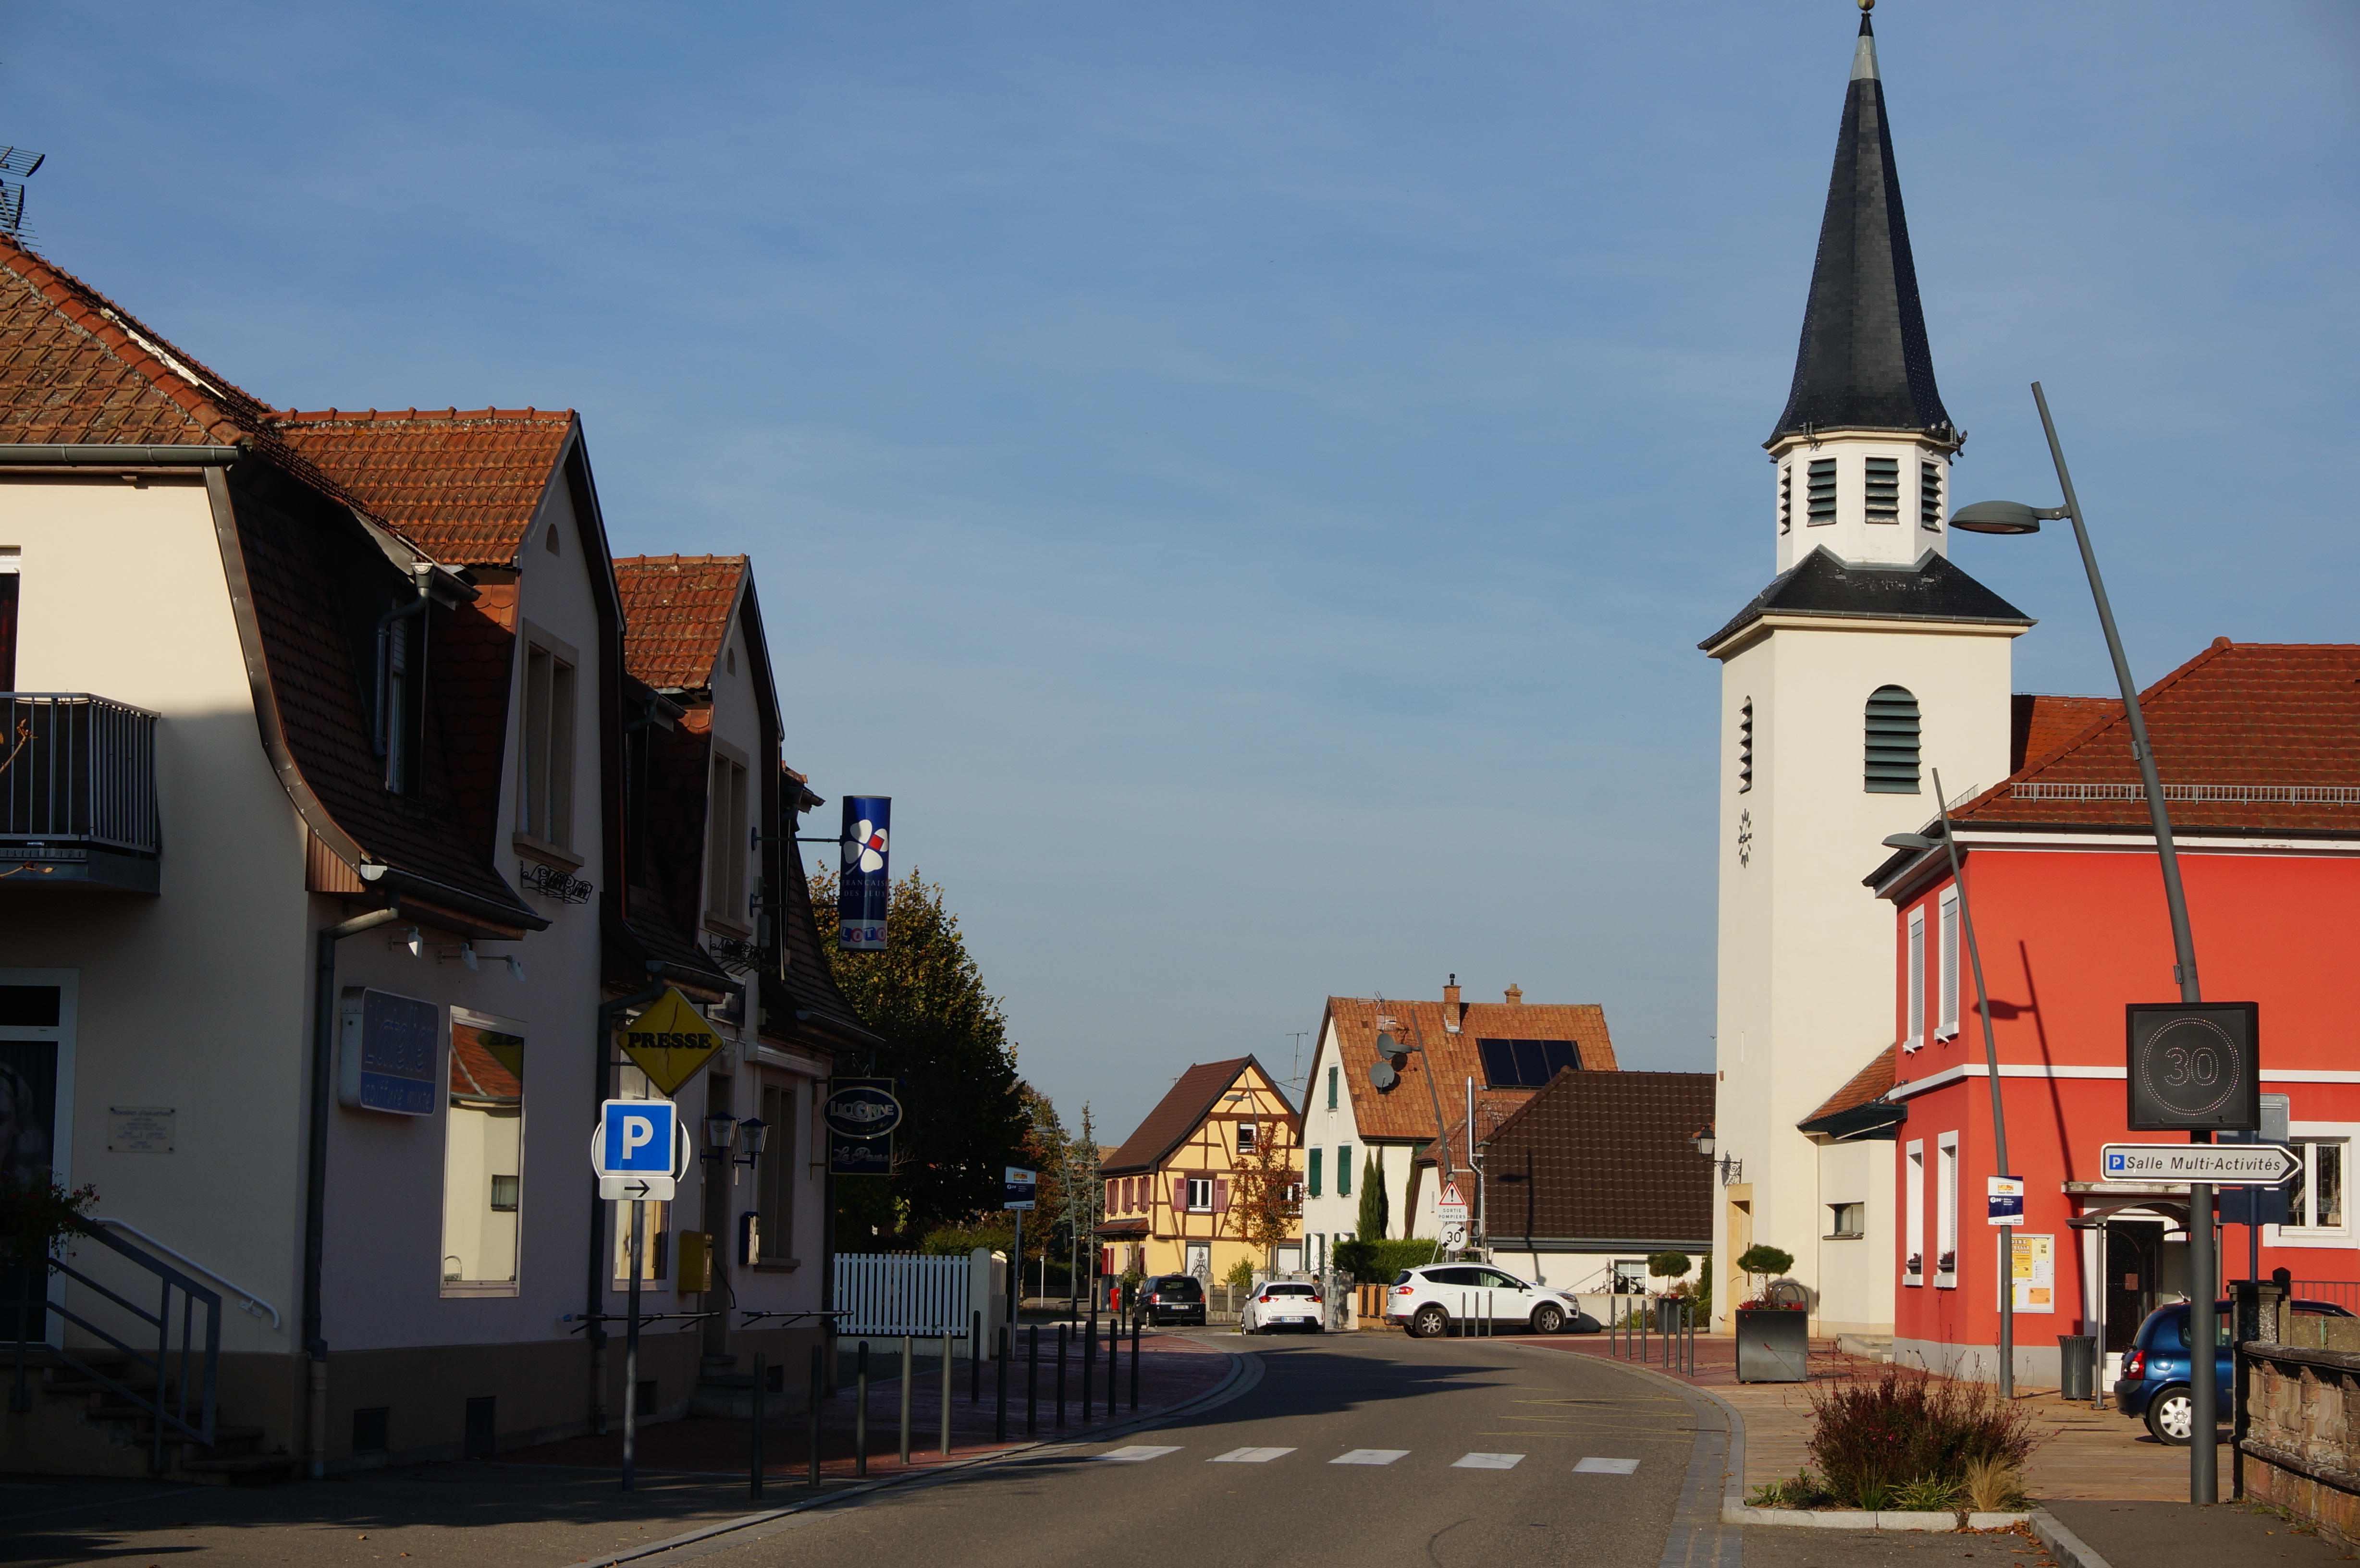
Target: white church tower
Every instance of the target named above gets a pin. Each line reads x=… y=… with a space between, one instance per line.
x=1867 y=662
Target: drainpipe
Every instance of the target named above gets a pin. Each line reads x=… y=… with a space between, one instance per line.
x=315 y=1194
x=421 y=574
x=594 y=1330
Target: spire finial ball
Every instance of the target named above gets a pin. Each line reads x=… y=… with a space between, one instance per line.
x=1868 y=5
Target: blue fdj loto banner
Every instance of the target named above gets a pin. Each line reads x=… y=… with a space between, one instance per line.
x=866 y=883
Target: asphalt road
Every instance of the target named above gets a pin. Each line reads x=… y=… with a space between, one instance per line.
x=1373 y=1449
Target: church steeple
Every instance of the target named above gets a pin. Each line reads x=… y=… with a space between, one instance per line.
x=1863 y=363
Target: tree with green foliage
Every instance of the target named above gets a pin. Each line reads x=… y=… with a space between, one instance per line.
x=1374 y=1218
x=946 y=1047
x=1668 y=1265
x=1763 y=1260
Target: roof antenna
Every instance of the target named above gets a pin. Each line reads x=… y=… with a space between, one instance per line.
x=17 y=161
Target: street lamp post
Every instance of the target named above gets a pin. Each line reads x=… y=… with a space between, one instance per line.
x=2014 y=517
x=1990 y=1066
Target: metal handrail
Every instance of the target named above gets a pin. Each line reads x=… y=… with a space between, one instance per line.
x=247 y=1298
x=163 y=1410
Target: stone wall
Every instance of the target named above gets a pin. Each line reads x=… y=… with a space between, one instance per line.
x=2299 y=1429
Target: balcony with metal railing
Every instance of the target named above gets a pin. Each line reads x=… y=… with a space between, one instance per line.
x=77 y=793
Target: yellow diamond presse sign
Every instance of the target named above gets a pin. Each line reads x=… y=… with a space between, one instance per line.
x=670 y=1041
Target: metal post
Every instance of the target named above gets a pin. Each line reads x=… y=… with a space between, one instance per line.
x=906 y=1363
x=631 y=1349
x=860 y=1410
x=2204 y=1461
x=1134 y=1361
x=949 y=1342
x=1000 y=1421
x=1114 y=1358
x=814 y=1414
x=1032 y=1382
x=1089 y=1355
x=974 y=1359
x=1642 y=1331
x=761 y=1388
x=1061 y=1376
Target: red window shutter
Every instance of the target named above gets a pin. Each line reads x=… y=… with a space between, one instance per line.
x=1130 y=1195
x=1180 y=1192
x=1221 y=1197
x=1114 y=1197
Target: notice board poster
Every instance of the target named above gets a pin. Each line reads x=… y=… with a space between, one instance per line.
x=2034 y=1273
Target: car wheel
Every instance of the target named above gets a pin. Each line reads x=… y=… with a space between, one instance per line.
x=1431 y=1323
x=1547 y=1319
x=2171 y=1417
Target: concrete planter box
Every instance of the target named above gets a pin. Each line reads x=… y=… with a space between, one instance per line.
x=1772 y=1347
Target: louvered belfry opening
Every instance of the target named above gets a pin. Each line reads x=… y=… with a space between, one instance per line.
x=1884 y=490
x=1892 y=748
x=1745 y=747
x=1785 y=497
x=1823 y=490
x=1929 y=495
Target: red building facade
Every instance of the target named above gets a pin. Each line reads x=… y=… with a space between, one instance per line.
x=2259 y=752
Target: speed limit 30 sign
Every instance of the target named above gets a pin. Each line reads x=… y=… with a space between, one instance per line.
x=2195 y=1066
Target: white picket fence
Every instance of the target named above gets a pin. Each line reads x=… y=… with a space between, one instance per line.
x=902 y=1292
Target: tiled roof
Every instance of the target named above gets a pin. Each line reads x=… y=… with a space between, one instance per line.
x=1871 y=1083
x=1184 y=1106
x=2039 y=724
x=464 y=485
x=77 y=368
x=2243 y=726
x=1605 y=1155
x=1404 y=1113
x=1823 y=585
x=809 y=984
x=676 y=611
x=479 y=1075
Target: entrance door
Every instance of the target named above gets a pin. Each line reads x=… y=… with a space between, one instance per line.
x=2133 y=1257
x=32 y=1029
x=1200 y=1260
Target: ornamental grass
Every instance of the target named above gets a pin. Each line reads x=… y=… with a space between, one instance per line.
x=1908 y=1433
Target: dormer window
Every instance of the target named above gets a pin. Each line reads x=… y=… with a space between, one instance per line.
x=1930 y=496
x=1884 y=490
x=1892 y=741
x=1785 y=497
x=1823 y=493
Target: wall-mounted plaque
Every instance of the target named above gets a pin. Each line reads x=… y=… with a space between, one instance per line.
x=139 y=1129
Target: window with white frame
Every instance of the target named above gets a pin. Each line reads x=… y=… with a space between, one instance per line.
x=483 y=1156
x=9 y=585
x=1914 y=1028
x=1200 y=1194
x=1946 y=1211
x=1913 y=1216
x=1948 y=1025
x=545 y=741
x=1245 y=1137
x=2317 y=1214
x=727 y=840
x=1846 y=1222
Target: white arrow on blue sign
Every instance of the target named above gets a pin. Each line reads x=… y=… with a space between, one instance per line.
x=636 y=1149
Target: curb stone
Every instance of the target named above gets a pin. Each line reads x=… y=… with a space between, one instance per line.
x=1858 y=1519
x=1245 y=1372
x=2069 y=1549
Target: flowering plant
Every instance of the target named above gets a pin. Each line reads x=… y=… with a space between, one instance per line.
x=37 y=1216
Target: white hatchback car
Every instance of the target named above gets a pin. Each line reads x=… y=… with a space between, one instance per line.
x=1284 y=1303
x=1427 y=1301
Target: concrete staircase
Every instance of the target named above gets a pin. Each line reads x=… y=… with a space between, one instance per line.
x=73 y=1406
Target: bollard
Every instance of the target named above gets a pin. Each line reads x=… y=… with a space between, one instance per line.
x=949 y=1341
x=761 y=1386
x=1061 y=1376
x=860 y=1410
x=1114 y=1359
x=1134 y=1363
x=1032 y=1382
x=814 y=1414
x=1089 y=1358
x=1000 y=1421
x=905 y=1398
x=1643 y=1315
x=974 y=1359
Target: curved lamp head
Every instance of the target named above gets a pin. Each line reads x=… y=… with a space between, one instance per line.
x=2002 y=517
x=1911 y=841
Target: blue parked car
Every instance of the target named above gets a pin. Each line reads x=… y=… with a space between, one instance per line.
x=2154 y=1381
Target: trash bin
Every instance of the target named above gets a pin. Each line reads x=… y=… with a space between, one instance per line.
x=2077 y=1365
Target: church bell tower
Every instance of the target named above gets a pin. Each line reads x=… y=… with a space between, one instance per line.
x=1868 y=662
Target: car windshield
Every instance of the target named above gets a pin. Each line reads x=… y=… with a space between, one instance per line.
x=1289 y=1291
x=1182 y=1285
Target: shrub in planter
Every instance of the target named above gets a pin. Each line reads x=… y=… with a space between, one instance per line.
x=1909 y=1431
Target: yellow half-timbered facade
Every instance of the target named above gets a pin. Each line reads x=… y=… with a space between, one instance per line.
x=1183 y=1190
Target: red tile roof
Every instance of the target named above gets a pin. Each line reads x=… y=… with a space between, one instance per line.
x=1184 y=1106
x=676 y=611
x=2262 y=736
x=1871 y=1083
x=1404 y=1113
x=1604 y=1157
x=2039 y=724
x=464 y=485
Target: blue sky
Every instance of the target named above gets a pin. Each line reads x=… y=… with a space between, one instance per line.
x=1249 y=482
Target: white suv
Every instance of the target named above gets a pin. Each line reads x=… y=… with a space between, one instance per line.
x=1428 y=1301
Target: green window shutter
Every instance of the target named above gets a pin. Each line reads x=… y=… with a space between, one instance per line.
x=1331 y=1088
x=1343 y=1169
x=1315 y=1171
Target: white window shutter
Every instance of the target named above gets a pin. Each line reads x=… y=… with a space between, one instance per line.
x=1949 y=1020
x=1914 y=1036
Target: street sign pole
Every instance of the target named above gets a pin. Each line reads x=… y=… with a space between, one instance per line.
x=631 y=1349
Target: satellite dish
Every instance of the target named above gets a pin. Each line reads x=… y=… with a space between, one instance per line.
x=1382 y=1074
x=1388 y=1046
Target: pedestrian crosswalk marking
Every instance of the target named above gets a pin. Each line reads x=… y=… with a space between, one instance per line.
x=1486 y=1462
x=1138 y=1452
x=1250 y=1456
x=1370 y=1456
x=1606 y=1467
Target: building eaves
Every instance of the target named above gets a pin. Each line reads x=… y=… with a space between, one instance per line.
x=1182 y=1110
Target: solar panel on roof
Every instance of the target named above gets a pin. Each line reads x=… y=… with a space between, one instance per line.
x=1525 y=1063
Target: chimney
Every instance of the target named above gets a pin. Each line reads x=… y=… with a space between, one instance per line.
x=1515 y=996
x=1451 y=1011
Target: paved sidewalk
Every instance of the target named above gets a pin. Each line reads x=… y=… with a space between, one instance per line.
x=557 y=1504
x=2083 y=1454
x=2146 y=1534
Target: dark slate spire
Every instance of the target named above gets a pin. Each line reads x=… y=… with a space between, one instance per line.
x=1864 y=361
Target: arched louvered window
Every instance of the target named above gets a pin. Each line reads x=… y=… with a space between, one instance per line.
x=1892 y=748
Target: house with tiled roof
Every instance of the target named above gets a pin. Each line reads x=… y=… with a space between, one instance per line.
x=323 y=850
x=2258 y=746
x=1182 y=1188
x=1392 y=1081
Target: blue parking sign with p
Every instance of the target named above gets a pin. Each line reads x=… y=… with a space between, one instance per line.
x=639 y=1137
